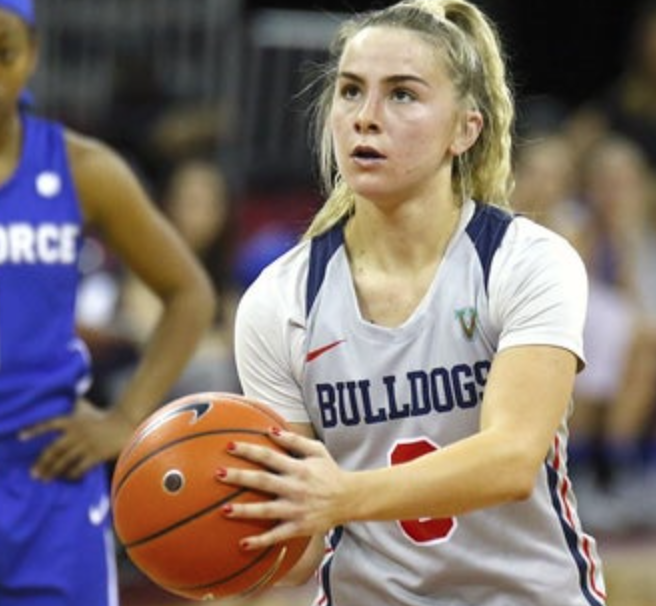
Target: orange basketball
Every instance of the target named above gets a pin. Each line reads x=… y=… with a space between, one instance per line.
x=167 y=502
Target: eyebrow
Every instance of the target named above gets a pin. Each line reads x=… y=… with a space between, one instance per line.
x=393 y=79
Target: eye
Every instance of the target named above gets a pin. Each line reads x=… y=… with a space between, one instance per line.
x=403 y=95
x=349 y=91
x=7 y=55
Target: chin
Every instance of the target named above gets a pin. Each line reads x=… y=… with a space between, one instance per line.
x=369 y=187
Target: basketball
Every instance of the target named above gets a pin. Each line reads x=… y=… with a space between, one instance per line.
x=167 y=502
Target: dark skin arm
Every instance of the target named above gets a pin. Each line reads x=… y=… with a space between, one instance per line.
x=117 y=206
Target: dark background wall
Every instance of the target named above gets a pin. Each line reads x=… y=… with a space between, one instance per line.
x=567 y=48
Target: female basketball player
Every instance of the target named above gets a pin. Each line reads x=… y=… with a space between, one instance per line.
x=425 y=335
x=55 y=534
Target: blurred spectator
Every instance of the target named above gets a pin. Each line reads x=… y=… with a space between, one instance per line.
x=619 y=247
x=152 y=126
x=605 y=215
x=197 y=201
x=260 y=249
x=628 y=106
x=113 y=352
x=545 y=184
x=272 y=218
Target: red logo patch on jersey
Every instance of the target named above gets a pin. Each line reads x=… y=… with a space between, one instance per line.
x=319 y=351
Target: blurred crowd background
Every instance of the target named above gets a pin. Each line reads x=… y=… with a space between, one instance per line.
x=208 y=101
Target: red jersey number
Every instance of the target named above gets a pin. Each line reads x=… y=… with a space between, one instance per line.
x=424 y=530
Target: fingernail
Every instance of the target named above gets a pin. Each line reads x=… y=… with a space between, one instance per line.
x=227 y=509
x=220 y=473
x=276 y=431
x=244 y=544
x=231 y=446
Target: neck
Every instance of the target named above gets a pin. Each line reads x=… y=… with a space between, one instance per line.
x=412 y=236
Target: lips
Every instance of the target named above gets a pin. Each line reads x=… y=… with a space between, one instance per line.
x=366 y=152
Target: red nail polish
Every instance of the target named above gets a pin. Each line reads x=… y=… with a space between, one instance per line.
x=244 y=544
x=230 y=446
x=220 y=473
x=276 y=431
x=227 y=509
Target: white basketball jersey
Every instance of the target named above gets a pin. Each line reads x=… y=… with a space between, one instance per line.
x=378 y=396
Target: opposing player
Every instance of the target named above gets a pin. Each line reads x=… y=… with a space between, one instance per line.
x=55 y=534
x=427 y=337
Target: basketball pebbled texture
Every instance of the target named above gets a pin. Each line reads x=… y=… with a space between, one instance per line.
x=167 y=503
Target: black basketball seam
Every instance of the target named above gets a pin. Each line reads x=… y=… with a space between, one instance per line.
x=266 y=578
x=265 y=553
x=183 y=521
x=162 y=448
x=260 y=558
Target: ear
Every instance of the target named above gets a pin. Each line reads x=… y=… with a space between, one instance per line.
x=467 y=131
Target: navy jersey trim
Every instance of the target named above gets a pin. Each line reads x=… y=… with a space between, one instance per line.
x=571 y=538
x=334 y=538
x=322 y=248
x=486 y=230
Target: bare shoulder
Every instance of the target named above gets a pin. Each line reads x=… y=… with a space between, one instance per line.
x=86 y=152
x=102 y=177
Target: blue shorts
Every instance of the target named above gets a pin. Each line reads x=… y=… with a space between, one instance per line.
x=56 y=539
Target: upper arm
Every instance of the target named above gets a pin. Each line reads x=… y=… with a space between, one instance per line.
x=527 y=396
x=539 y=293
x=539 y=301
x=115 y=203
x=268 y=347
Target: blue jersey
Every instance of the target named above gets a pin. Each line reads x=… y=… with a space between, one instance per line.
x=43 y=369
x=43 y=365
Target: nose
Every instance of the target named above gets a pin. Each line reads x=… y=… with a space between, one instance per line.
x=368 y=119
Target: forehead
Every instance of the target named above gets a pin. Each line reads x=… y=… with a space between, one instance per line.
x=388 y=50
x=11 y=24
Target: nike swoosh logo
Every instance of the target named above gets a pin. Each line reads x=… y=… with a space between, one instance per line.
x=315 y=353
x=97 y=513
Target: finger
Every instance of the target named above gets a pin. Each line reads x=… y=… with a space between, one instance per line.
x=264 y=456
x=279 y=533
x=261 y=480
x=57 y=459
x=264 y=510
x=296 y=443
x=80 y=467
x=56 y=424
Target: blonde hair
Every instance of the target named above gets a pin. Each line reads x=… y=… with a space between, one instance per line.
x=472 y=50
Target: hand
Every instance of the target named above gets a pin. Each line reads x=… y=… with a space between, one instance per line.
x=86 y=438
x=310 y=489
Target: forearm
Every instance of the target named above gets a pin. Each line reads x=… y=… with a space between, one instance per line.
x=185 y=318
x=526 y=399
x=484 y=470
